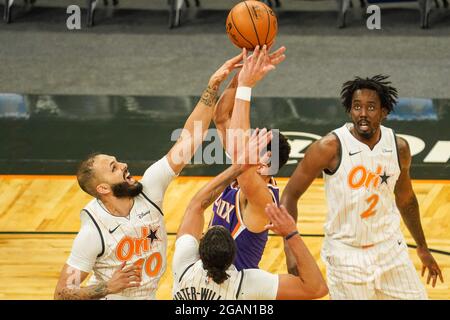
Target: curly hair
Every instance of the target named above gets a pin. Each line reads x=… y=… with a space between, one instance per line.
x=388 y=95
x=217 y=251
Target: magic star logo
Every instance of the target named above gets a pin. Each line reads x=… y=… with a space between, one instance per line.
x=129 y=247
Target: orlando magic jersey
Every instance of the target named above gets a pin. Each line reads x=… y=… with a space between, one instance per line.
x=361 y=203
x=227 y=213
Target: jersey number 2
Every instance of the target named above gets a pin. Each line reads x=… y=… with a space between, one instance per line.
x=372 y=201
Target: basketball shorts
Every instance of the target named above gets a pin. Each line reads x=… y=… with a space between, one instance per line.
x=381 y=272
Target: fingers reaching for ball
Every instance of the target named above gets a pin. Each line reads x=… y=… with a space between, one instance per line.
x=258 y=64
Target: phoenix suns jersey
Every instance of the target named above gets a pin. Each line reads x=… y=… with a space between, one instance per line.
x=227 y=213
x=360 y=193
x=139 y=239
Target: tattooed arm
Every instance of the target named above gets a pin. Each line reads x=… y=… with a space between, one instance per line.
x=69 y=283
x=193 y=220
x=409 y=209
x=198 y=122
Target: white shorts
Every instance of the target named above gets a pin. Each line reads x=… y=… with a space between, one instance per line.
x=381 y=272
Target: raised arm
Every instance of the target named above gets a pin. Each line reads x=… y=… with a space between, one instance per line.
x=224 y=106
x=309 y=282
x=193 y=219
x=322 y=154
x=198 y=122
x=253 y=187
x=409 y=209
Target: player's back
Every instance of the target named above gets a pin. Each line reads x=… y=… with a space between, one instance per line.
x=228 y=213
x=194 y=284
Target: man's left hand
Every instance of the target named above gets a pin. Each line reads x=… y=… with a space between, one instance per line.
x=429 y=263
x=222 y=73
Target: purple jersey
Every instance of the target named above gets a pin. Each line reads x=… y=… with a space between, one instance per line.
x=250 y=246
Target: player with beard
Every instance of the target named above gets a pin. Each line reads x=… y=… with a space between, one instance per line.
x=122 y=239
x=368 y=187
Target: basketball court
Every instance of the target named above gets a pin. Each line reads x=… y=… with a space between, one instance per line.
x=125 y=85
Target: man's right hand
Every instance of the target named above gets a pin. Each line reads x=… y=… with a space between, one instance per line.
x=257 y=65
x=125 y=277
x=251 y=154
x=281 y=222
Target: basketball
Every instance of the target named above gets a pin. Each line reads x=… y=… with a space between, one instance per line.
x=251 y=23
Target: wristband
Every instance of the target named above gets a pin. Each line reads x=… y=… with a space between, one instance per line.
x=244 y=93
x=290 y=235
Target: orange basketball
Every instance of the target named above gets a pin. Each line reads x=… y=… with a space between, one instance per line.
x=251 y=23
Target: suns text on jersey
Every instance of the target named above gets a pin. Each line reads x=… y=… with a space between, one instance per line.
x=224 y=209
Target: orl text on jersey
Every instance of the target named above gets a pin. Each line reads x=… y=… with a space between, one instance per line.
x=129 y=247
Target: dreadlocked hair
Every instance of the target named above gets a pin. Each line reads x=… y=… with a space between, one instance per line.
x=387 y=94
x=217 y=250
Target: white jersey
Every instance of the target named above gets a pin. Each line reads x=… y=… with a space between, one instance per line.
x=360 y=193
x=192 y=283
x=105 y=241
x=364 y=251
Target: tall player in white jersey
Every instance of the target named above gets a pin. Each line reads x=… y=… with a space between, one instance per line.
x=202 y=266
x=122 y=239
x=368 y=187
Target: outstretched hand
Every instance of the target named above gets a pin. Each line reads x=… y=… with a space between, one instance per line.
x=281 y=222
x=251 y=154
x=222 y=73
x=257 y=65
x=275 y=58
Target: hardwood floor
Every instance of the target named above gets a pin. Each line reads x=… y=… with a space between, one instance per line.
x=30 y=206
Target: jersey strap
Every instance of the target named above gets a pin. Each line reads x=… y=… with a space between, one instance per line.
x=240 y=283
x=329 y=172
x=396 y=148
x=185 y=270
x=99 y=231
x=153 y=204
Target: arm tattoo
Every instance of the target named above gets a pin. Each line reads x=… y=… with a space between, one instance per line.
x=207 y=201
x=209 y=96
x=85 y=293
x=212 y=191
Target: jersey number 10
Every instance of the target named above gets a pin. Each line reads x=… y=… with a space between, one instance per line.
x=146 y=264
